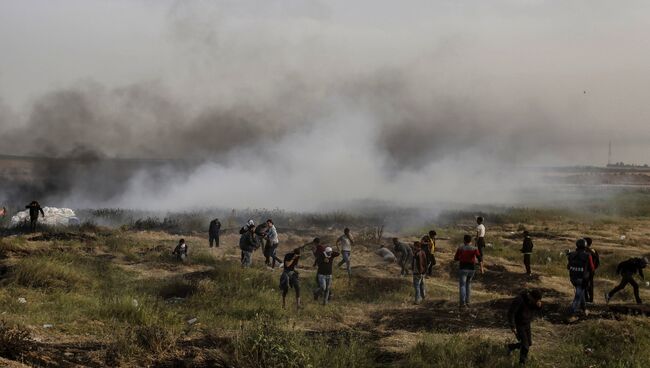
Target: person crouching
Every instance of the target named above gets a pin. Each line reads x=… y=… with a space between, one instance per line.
x=181 y=250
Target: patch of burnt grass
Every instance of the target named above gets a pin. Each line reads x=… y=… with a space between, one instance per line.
x=15 y=340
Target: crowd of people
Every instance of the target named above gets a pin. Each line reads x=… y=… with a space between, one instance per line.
x=418 y=260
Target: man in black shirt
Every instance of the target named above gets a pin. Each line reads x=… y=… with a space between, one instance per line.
x=520 y=315
x=324 y=262
x=627 y=269
x=527 y=250
x=34 y=208
x=290 y=277
x=213 y=232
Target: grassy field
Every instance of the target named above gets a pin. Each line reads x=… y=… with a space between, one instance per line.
x=114 y=296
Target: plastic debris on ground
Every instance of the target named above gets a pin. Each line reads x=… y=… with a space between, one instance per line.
x=53 y=217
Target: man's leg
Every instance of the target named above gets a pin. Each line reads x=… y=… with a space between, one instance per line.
x=527 y=263
x=619 y=287
x=295 y=283
x=462 y=284
x=468 y=287
x=346 y=258
x=327 y=285
x=636 y=290
x=525 y=338
x=589 y=291
x=416 y=285
x=423 y=289
x=578 y=296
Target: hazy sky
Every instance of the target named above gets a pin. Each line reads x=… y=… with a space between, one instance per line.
x=391 y=93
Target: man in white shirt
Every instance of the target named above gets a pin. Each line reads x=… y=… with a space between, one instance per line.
x=272 y=238
x=345 y=242
x=480 y=235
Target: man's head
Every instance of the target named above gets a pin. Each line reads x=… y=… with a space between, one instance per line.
x=269 y=222
x=467 y=239
x=526 y=233
x=479 y=220
x=588 y=241
x=251 y=222
x=432 y=234
x=328 y=252
x=181 y=241
x=417 y=245
x=581 y=244
x=346 y=231
x=297 y=251
x=536 y=296
x=644 y=262
x=216 y=219
x=316 y=241
x=395 y=241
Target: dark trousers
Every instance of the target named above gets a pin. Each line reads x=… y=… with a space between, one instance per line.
x=589 y=290
x=627 y=279
x=524 y=341
x=527 y=262
x=431 y=261
x=214 y=239
x=32 y=223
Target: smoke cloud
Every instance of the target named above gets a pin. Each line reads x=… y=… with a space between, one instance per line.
x=316 y=105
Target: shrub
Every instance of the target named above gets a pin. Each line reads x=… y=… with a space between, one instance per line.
x=14 y=340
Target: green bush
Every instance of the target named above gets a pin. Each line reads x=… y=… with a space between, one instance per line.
x=457 y=352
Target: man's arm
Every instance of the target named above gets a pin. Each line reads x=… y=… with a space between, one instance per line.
x=641 y=273
x=42 y=213
x=591 y=263
x=457 y=255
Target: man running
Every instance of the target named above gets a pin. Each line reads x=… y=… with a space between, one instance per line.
x=324 y=261
x=213 y=232
x=290 y=277
x=34 y=209
x=580 y=266
x=527 y=250
x=627 y=270
x=520 y=315
x=589 y=290
x=468 y=256
x=345 y=242
x=405 y=255
x=419 y=270
x=480 y=236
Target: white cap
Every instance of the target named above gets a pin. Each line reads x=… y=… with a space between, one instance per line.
x=328 y=250
x=251 y=222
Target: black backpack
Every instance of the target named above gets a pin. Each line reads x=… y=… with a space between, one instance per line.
x=578 y=265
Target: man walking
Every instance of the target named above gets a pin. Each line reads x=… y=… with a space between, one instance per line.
x=273 y=241
x=580 y=266
x=419 y=270
x=34 y=209
x=429 y=246
x=248 y=244
x=468 y=256
x=520 y=315
x=324 y=261
x=589 y=290
x=290 y=277
x=213 y=232
x=627 y=270
x=527 y=250
x=345 y=242
x=480 y=236
x=405 y=255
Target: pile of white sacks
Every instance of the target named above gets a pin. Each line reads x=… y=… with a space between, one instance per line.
x=53 y=217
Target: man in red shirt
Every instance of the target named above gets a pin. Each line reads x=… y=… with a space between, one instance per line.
x=468 y=256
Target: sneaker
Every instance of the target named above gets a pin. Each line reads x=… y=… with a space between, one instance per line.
x=586 y=311
x=607 y=298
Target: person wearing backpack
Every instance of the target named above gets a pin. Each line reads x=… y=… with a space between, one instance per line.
x=468 y=256
x=627 y=270
x=589 y=290
x=580 y=265
x=527 y=250
x=248 y=244
x=180 y=251
x=520 y=315
x=429 y=247
x=419 y=267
